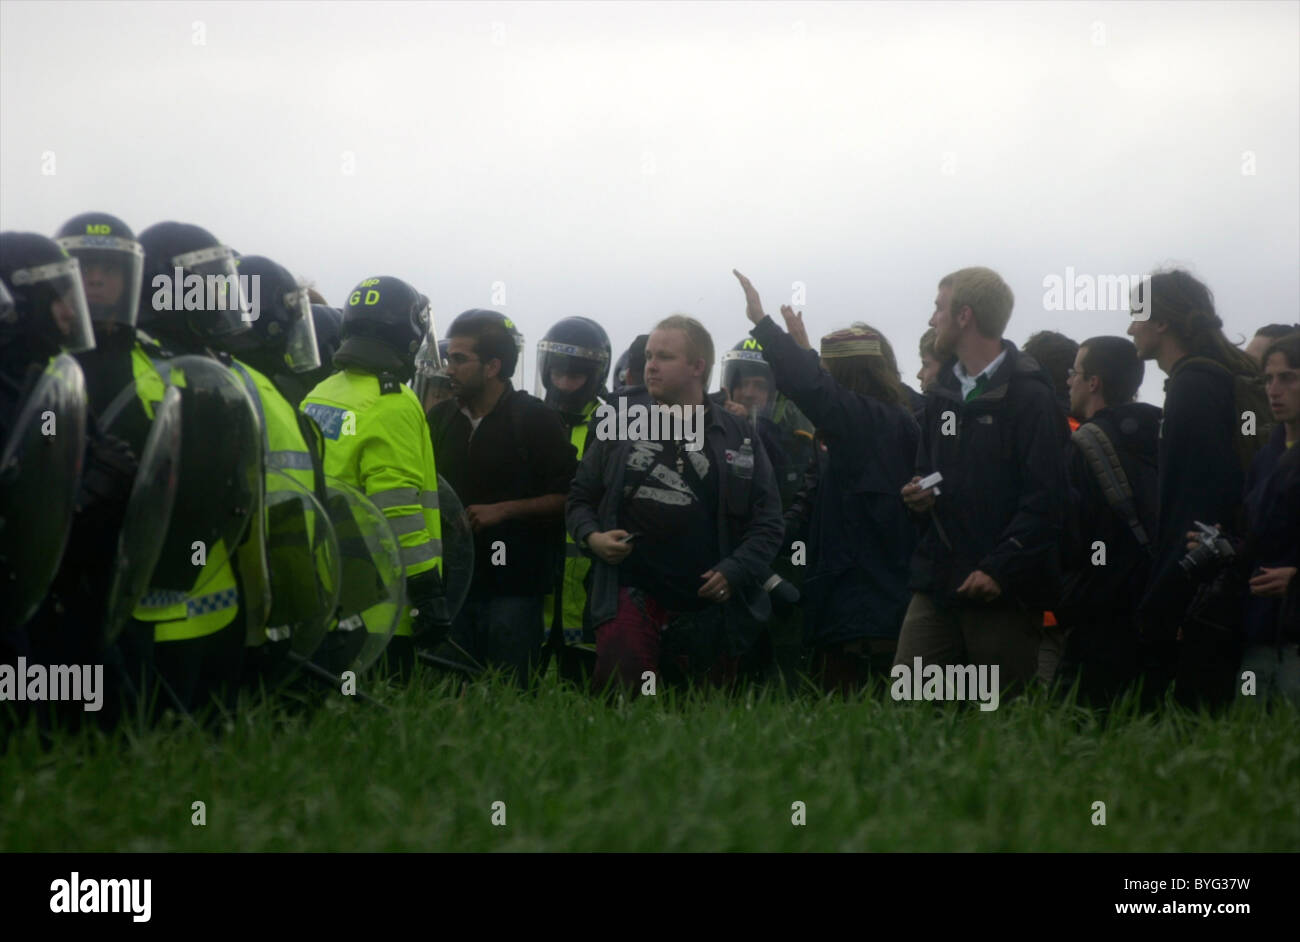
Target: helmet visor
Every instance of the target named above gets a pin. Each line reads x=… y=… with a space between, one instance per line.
x=427 y=361
x=738 y=366
x=558 y=366
x=112 y=271
x=301 y=353
x=223 y=307
x=60 y=301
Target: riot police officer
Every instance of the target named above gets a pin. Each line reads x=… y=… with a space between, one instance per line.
x=112 y=273
x=377 y=441
x=199 y=610
x=42 y=416
x=281 y=341
x=63 y=484
x=787 y=436
x=279 y=345
x=328 y=323
x=572 y=369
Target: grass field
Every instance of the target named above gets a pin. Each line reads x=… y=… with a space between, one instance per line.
x=669 y=773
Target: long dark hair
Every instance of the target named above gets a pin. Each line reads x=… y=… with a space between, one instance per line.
x=1187 y=306
x=875 y=376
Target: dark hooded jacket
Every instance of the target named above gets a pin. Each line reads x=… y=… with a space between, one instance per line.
x=861 y=538
x=1002 y=504
x=1115 y=587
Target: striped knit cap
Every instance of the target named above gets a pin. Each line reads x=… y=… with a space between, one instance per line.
x=851 y=342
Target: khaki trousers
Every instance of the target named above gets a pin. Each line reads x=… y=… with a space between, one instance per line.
x=968 y=635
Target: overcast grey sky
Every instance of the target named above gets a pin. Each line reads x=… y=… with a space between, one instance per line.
x=618 y=160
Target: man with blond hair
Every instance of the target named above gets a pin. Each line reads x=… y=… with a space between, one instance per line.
x=682 y=536
x=986 y=565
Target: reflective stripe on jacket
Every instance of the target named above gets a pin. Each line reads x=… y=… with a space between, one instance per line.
x=380 y=445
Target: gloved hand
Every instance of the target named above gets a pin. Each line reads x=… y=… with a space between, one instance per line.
x=109 y=473
x=430 y=620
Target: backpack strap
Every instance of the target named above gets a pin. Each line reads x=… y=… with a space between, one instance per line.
x=1104 y=462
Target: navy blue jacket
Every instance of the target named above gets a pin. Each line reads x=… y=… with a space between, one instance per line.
x=861 y=537
x=1004 y=492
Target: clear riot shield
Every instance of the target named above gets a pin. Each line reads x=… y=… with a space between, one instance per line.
x=40 y=474
x=372 y=581
x=303 y=555
x=457 y=547
x=148 y=514
x=220 y=479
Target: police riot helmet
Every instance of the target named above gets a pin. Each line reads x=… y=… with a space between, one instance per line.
x=283 y=333
x=328 y=324
x=743 y=361
x=620 y=371
x=49 y=311
x=573 y=345
x=384 y=323
x=112 y=265
x=200 y=300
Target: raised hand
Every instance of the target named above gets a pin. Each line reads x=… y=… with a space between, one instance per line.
x=794 y=324
x=753 y=306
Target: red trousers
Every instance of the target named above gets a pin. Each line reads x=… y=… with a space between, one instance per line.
x=632 y=643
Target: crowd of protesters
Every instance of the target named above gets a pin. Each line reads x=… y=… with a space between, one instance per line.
x=1061 y=542
x=823 y=522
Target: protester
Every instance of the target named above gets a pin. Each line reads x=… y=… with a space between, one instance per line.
x=987 y=564
x=509 y=458
x=861 y=538
x=1272 y=551
x=683 y=539
x=1055 y=353
x=1215 y=418
x=1112 y=467
x=930 y=364
x=1264 y=337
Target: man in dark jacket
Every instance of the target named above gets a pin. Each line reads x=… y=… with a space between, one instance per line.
x=855 y=593
x=682 y=538
x=1107 y=558
x=510 y=461
x=987 y=564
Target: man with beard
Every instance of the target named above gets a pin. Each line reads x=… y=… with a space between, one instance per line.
x=510 y=460
x=986 y=565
